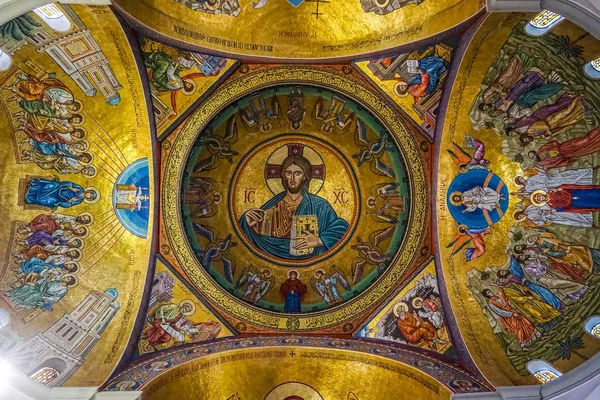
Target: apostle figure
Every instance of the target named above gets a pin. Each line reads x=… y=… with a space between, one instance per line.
x=541 y=180
x=292 y=291
x=414 y=329
x=170 y=322
x=512 y=321
x=295 y=200
x=555 y=154
x=38 y=292
x=164 y=72
x=569 y=198
x=550 y=120
x=54 y=194
x=545 y=215
x=427 y=79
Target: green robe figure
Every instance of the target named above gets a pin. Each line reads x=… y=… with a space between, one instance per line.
x=163 y=72
x=42 y=293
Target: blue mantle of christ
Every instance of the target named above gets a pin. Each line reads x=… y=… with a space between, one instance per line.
x=331 y=228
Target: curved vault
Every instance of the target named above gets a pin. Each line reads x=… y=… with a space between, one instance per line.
x=213 y=119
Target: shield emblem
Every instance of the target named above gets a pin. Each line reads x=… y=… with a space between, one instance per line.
x=296 y=3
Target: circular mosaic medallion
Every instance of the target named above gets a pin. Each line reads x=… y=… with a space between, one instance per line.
x=294 y=199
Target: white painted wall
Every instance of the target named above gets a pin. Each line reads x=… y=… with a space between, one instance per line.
x=10 y=9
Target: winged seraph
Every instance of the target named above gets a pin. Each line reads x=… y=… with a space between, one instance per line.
x=371 y=151
x=466 y=236
x=370 y=253
x=219 y=147
x=466 y=161
x=326 y=284
x=217 y=250
x=256 y=283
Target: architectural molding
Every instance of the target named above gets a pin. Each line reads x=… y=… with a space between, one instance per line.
x=582 y=383
x=10 y=9
x=585 y=13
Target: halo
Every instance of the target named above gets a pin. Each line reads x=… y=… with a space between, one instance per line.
x=267 y=272
x=215 y=4
x=191 y=303
x=77 y=258
x=74 y=262
x=382 y=3
x=534 y=201
x=399 y=92
x=293 y=270
x=79 y=239
x=86 y=163
x=82 y=136
x=266 y=127
x=74 y=277
x=453 y=202
x=77 y=124
x=95 y=190
x=281 y=153
x=87 y=231
x=319 y=270
x=192 y=90
x=296 y=389
x=85 y=143
x=93 y=174
x=75 y=106
x=217 y=197
x=396 y=307
x=415 y=301
x=89 y=214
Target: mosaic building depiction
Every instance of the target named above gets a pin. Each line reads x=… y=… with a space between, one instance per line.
x=294 y=200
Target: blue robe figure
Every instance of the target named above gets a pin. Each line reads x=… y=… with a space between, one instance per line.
x=292 y=291
x=545 y=294
x=45 y=148
x=35 y=265
x=331 y=228
x=433 y=66
x=54 y=194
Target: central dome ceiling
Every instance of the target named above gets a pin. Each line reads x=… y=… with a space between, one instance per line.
x=295 y=199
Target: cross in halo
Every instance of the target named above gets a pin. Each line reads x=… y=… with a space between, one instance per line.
x=294 y=149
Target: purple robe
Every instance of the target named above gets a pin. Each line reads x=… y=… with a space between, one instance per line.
x=544 y=112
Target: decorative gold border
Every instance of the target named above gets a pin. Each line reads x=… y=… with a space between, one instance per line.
x=171 y=195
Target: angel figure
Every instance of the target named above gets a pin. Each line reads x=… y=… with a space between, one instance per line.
x=370 y=252
x=386 y=203
x=371 y=151
x=257 y=115
x=332 y=116
x=217 y=250
x=258 y=283
x=465 y=236
x=219 y=147
x=326 y=284
x=466 y=161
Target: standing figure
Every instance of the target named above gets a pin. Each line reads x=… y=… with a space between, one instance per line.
x=326 y=284
x=259 y=283
x=54 y=194
x=540 y=180
x=569 y=198
x=512 y=321
x=292 y=291
x=296 y=111
x=556 y=155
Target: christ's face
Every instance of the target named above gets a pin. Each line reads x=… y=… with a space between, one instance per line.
x=294 y=177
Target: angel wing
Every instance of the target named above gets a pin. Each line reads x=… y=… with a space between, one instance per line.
x=477 y=145
x=243 y=279
x=458 y=242
x=459 y=155
x=205 y=231
x=318 y=109
x=315 y=286
x=228 y=268
x=206 y=164
x=267 y=285
x=382 y=169
x=231 y=132
x=358 y=270
x=339 y=274
x=382 y=235
x=360 y=134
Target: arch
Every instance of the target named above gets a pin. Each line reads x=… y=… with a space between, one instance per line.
x=45 y=375
x=543 y=371
x=543 y=23
x=5 y=61
x=592 y=326
x=54 y=363
x=592 y=69
x=4 y=317
x=52 y=16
